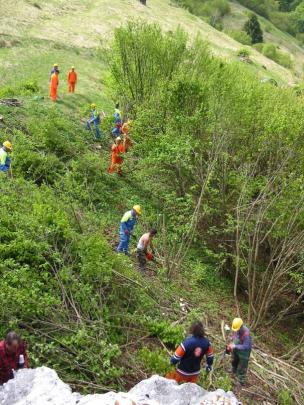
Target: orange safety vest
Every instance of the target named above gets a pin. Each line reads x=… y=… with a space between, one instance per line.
x=72 y=76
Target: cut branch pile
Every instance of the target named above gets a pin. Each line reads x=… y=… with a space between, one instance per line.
x=12 y=102
x=278 y=375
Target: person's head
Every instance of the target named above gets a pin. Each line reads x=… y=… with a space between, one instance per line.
x=56 y=66
x=93 y=106
x=117 y=106
x=137 y=209
x=73 y=68
x=12 y=342
x=118 y=140
x=237 y=323
x=152 y=232
x=197 y=329
x=7 y=146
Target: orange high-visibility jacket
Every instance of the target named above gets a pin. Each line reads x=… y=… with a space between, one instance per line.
x=72 y=76
x=54 y=81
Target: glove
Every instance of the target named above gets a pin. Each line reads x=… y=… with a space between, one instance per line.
x=173 y=361
x=208 y=369
x=127 y=232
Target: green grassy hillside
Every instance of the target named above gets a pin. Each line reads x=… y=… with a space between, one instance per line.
x=85 y=24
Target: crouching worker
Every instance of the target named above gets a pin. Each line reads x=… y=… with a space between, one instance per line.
x=5 y=161
x=189 y=356
x=241 y=349
x=142 y=248
x=13 y=356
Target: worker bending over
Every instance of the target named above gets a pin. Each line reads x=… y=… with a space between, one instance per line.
x=127 y=224
x=5 y=160
x=72 y=79
x=13 y=356
x=118 y=149
x=142 y=248
x=54 y=85
x=189 y=356
x=241 y=349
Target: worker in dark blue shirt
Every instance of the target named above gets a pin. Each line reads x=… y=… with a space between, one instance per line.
x=189 y=356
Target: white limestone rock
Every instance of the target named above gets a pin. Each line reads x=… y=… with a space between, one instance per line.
x=42 y=386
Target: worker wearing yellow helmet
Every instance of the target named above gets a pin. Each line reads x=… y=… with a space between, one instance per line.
x=72 y=80
x=5 y=161
x=55 y=69
x=127 y=224
x=95 y=119
x=240 y=347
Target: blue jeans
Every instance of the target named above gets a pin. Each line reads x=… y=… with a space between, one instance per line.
x=124 y=241
x=97 y=129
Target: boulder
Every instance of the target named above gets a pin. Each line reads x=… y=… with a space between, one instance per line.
x=42 y=386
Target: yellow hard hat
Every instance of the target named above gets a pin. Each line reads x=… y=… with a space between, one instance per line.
x=236 y=324
x=93 y=105
x=8 y=145
x=118 y=138
x=56 y=65
x=137 y=209
x=73 y=67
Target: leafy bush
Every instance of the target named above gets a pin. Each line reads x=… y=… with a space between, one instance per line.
x=243 y=52
x=285 y=398
x=171 y=335
x=155 y=362
x=211 y=10
x=271 y=52
x=239 y=36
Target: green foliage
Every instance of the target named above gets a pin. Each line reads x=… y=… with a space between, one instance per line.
x=271 y=52
x=253 y=29
x=239 y=36
x=170 y=334
x=155 y=362
x=200 y=150
x=243 y=52
x=285 y=398
x=211 y=10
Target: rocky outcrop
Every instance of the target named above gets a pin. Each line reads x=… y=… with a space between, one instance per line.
x=42 y=386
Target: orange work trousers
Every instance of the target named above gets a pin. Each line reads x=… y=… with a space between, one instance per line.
x=115 y=164
x=53 y=93
x=72 y=87
x=179 y=378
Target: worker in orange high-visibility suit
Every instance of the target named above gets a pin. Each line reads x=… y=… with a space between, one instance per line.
x=118 y=148
x=72 y=79
x=54 y=85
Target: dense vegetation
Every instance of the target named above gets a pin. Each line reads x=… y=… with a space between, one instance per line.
x=217 y=167
x=211 y=10
x=286 y=15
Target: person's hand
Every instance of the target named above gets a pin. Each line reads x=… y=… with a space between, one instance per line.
x=208 y=369
x=231 y=346
x=127 y=232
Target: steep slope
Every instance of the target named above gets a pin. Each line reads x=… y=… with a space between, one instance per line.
x=237 y=17
x=86 y=24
